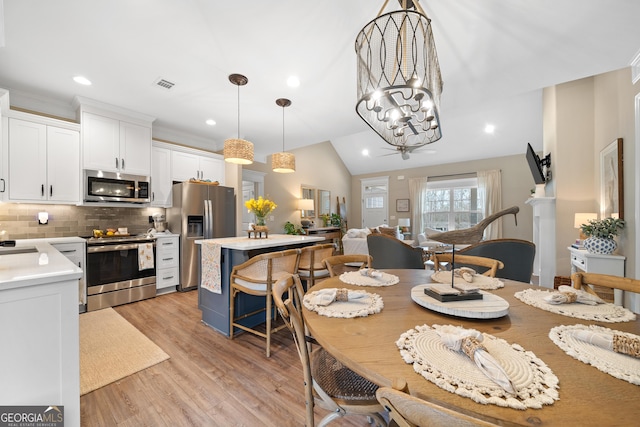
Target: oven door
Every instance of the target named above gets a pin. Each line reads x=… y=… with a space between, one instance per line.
x=112 y=264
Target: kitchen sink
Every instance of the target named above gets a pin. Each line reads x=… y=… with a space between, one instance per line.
x=14 y=251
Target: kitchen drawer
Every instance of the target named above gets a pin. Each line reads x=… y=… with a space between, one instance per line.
x=166 y=259
x=579 y=261
x=167 y=277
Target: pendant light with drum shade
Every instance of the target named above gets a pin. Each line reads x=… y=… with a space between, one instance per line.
x=283 y=162
x=236 y=150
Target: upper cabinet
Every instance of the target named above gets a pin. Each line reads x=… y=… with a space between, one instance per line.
x=198 y=165
x=115 y=145
x=160 y=176
x=114 y=139
x=44 y=160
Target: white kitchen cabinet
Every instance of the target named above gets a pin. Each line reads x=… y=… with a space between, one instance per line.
x=44 y=162
x=77 y=253
x=4 y=132
x=193 y=165
x=114 y=145
x=167 y=262
x=160 y=177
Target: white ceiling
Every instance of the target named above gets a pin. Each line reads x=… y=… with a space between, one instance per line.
x=495 y=58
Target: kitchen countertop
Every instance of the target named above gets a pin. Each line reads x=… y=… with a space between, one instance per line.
x=245 y=243
x=46 y=265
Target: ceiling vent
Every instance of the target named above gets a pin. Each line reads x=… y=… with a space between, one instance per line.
x=165 y=84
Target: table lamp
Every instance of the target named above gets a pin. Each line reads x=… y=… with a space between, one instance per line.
x=404 y=224
x=582 y=218
x=305 y=205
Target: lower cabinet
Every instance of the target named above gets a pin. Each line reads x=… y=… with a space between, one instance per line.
x=76 y=252
x=167 y=263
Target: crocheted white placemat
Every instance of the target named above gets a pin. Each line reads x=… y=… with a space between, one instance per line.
x=602 y=312
x=357 y=278
x=361 y=307
x=481 y=281
x=615 y=364
x=455 y=372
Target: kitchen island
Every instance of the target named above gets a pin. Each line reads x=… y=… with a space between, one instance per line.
x=39 y=361
x=234 y=251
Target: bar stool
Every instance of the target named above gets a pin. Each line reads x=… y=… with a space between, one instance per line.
x=256 y=277
x=311 y=266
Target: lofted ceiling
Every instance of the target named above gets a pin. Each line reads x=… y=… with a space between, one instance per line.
x=495 y=57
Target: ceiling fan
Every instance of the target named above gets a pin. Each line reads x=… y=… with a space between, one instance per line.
x=405 y=151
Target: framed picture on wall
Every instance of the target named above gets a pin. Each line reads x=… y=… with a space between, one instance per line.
x=402 y=205
x=611 y=181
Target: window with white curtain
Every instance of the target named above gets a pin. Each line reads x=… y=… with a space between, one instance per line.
x=452 y=204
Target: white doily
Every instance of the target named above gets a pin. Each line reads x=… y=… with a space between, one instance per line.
x=455 y=372
x=607 y=312
x=357 y=278
x=617 y=365
x=479 y=280
x=361 y=307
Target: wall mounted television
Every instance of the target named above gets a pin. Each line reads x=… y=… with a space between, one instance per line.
x=536 y=165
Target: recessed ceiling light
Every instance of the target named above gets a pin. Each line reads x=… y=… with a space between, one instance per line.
x=293 y=81
x=365 y=152
x=82 y=80
x=489 y=128
x=211 y=122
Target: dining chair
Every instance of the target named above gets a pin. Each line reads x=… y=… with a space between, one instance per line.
x=327 y=383
x=491 y=265
x=582 y=280
x=409 y=411
x=353 y=260
x=389 y=252
x=516 y=254
x=311 y=267
x=256 y=276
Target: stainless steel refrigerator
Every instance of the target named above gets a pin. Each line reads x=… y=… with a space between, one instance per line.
x=200 y=211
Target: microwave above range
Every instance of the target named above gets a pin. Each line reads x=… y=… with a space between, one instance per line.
x=102 y=186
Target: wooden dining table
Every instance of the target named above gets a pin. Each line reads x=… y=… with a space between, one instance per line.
x=367 y=345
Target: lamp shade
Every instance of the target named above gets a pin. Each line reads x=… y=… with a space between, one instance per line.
x=283 y=162
x=404 y=222
x=238 y=151
x=305 y=204
x=583 y=218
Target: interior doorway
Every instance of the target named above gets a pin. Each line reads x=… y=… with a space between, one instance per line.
x=375 y=206
x=252 y=188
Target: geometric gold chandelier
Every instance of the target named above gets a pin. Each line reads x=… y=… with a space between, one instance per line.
x=238 y=150
x=283 y=162
x=399 y=81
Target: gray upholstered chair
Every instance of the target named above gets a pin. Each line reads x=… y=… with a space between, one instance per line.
x=389 y=252
x=516 y=255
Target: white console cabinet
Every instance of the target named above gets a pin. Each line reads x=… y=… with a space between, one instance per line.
x=582 y=260
x=167 y=262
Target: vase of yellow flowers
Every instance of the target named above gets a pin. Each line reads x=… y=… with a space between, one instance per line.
x=260 y=208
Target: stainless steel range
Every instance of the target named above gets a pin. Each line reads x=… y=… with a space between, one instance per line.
x=120 y=270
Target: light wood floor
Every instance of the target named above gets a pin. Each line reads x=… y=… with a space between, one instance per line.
x=209 y=380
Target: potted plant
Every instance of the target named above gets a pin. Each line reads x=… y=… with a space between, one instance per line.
x=326 y=219
x=290 y=228
x=336 y=220
x=600 y=234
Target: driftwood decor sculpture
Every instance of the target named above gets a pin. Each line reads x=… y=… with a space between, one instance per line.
x=473 y=234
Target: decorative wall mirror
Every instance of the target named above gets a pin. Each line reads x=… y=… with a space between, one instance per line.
x=307 y=209
x=324 y=202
